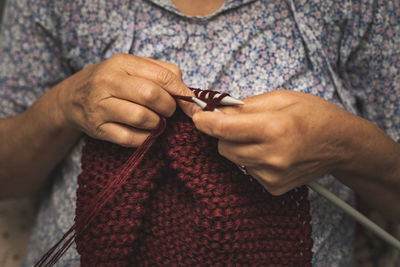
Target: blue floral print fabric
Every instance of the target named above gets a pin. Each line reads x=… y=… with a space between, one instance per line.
x=345 y=51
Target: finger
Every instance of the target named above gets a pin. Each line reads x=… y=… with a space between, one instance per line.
x=121 y=134
x=247 y=154
x=254 y=175
x=172 y=67
x=164 y=75
x=274 y=173
x=251 y=156
x=277 y=182
x=146 y=93
x=130 y=114
x=247 y=127
x=273 y=187
x=188 y=107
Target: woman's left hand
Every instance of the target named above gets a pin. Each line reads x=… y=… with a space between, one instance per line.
x=284 y=138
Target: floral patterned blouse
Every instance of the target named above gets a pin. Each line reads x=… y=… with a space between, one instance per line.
x=346 y=51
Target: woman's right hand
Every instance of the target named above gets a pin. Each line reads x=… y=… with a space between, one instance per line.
x=120 y=100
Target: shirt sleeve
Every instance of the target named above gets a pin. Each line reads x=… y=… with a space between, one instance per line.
x=31 y=61
x=371 y=49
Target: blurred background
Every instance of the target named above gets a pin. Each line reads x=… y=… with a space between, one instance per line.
x=2 y=3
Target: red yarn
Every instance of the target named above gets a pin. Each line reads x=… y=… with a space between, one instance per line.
x=119 y=177
x=208 y=96
x=177 y=202
x=186 y=205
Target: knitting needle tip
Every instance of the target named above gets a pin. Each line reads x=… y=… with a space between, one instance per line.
x=202 y=104
x=231 y=101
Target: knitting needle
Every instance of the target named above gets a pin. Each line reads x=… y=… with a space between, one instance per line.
x=226 y=101
x=202 y=104
x=338 y=202
x=229 y=101
x=355 y=214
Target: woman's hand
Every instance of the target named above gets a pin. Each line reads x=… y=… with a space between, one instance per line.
x=120 y=99
x=286 y=139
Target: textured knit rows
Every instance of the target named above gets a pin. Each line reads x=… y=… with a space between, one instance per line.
x=186 y=205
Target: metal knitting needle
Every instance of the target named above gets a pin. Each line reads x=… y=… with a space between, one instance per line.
x=338 y=202
x=226 y=101
x=355 y=214
x=202 y=104
x=229 y=101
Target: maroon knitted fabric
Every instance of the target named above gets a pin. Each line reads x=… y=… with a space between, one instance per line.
x=186 y=205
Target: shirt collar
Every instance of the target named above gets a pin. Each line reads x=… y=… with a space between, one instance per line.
x=229 y=4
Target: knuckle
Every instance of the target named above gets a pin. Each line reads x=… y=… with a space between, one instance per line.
x=278 y=162
x=150 y=94
x=125 y=139
x=283 y=95
x=106 y=78
x=118 y=58
x=273 y=185
x=279 y=127
x=170 y=109
x=279 y=93
x=276 y=129
x=272 y=181
x=98 y=77
x=276 y=191
x=140 y=117
x=131 y=140
x=176 y=70
x=128 y=138
x=165 y=77
x=102 y=79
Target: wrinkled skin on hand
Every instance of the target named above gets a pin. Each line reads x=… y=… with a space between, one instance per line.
x=120 y=100
x=284 y=138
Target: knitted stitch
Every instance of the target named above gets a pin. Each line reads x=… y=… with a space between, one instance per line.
x=186 y=205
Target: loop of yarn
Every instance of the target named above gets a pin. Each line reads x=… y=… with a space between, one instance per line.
x=175 y=201
x=211 y=98
x=53 y=255
x=98 y=201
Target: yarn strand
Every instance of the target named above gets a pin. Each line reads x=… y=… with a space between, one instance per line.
x=55 y=253
x=103 y=198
